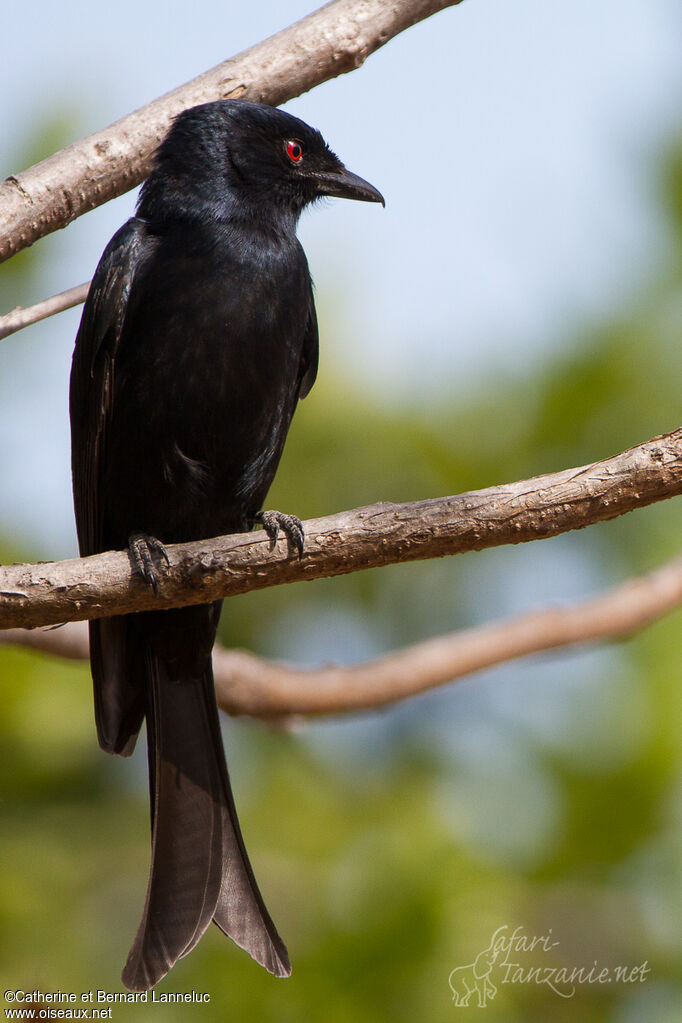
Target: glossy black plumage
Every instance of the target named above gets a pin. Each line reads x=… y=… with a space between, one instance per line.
x=197 y=339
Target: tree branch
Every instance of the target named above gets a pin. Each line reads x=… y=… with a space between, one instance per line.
x=19 y=318
x=246 y=684
x=380 y=534
x=333 y=40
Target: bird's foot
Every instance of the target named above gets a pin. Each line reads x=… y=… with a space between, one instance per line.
x=141 y=547
x=291 y=526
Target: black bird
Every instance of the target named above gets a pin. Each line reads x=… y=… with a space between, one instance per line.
x=197 y=339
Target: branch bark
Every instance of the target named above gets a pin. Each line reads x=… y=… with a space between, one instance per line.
x=246 y=684
x=333 y=40
x=19 y=318
x=380 y=534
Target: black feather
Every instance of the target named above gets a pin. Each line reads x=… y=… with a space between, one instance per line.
x=197 y=339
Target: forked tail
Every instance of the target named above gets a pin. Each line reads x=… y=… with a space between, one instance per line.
x=199 y=867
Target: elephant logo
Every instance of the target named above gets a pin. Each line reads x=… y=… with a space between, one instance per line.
x=475 y=977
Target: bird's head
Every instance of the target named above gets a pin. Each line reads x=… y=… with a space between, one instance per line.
x=233 y=155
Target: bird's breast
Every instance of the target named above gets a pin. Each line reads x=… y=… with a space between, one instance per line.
x=208 y=380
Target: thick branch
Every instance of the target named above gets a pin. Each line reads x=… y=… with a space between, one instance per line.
x=19 y=318
x=337 y=38
x=381 y=534
x=246 y=684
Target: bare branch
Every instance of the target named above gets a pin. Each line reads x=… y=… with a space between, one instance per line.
x=337 y=38
x=246 y=684
x=69 y=641
x=19 y=318
x=380 y=534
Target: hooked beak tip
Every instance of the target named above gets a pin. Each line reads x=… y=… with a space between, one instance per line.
x=344 y=184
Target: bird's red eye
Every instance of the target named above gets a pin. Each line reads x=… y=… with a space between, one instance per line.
x=294 y=151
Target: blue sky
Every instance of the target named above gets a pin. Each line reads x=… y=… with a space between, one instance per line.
x=514 y=143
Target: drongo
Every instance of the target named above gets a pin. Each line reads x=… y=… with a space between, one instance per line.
x=197 y=339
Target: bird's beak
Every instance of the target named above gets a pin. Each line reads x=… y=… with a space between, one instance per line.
x=345 y=185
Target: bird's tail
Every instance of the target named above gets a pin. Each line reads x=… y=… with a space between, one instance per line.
x=199 y=867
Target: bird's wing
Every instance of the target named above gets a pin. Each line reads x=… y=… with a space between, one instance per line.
x=91 y=396
x=118 y=704
x=310 y=351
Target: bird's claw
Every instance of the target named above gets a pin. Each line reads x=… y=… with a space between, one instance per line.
x=290 y=525
x=141 y=546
